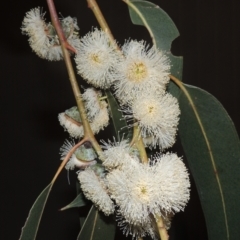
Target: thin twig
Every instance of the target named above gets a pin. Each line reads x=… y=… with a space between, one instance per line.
x=138 y=142
x=88 y=134
x=70 y=153
x=57 y=25
x=92 y=4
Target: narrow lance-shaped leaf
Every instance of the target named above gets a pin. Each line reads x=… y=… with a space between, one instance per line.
x=97 y=226
x=119 y=123
x=83 y=211
x=29 y=230
x=79 y=201
x=212 y=148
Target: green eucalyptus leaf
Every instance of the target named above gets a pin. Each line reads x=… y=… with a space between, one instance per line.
x=119 y=123
x=97 y=226
x=79 y=201
x=212 y=148
x=160 y=27
x=29 y=230
x=83 y=211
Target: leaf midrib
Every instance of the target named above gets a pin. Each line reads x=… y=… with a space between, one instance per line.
x=182 y=87
x=143 y=20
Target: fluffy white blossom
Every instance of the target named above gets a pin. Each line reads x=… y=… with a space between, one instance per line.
x=101 y=120
x=157 y=189
x=172 y=182
x=137 y=230
x=35 y=27
x=157 y=116
x=96 y=59
x=95 y=189
x=97 y=113
x=75 y=129
x=72 y=126
x=117 y=154
x=74 y=161
x=42 y=36
x=133 y=191
x=70 y=29
x=142 y=69
x=93 y=104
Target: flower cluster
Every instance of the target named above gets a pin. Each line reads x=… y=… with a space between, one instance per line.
x=97 y=114
x=139 y=75
x=42 y=36
x=96 y=59
x=138 y=191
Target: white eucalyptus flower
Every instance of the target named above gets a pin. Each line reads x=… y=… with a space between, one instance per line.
x=96 y=59
x=141 y=69
x=97 y=114
x=95 y=189
x=93 y=104
x=157 y=116
x=36 y=28
x=133 y=191
x=70 y=120
x=172 y=183
x=101 y=119
x=116 y=154
x=140 y=230
x=70 y=29
x=158 y=189
x=42 y=36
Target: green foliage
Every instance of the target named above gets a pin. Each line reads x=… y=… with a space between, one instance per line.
x=207 y=134
x=120 y=129
x=97 y=226
x=29 y=231
x=79 y=201
x=212 y=147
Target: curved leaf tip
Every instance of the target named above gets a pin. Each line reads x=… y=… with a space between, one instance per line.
x=29 y=230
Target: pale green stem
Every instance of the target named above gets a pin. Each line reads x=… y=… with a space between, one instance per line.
x=88 y=134
x=137 y=141
x=65 y=160
x=92 y=4
x=161 y=229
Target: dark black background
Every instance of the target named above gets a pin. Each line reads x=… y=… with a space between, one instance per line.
x=34 y=91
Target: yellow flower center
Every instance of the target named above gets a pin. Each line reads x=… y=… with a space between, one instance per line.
x=150 y=109
x=137 y=72
x=142 y=192
x=95 y=58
